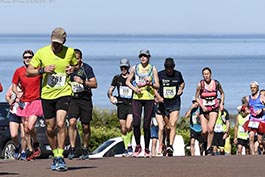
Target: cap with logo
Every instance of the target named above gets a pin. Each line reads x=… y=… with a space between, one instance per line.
x=124 y=62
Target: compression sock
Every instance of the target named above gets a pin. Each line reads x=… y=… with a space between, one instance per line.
x=60 y=152
x=55 y=152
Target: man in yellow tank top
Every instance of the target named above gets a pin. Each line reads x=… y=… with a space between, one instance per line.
x=55 y=62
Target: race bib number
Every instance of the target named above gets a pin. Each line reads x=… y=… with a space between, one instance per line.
x=194 y=119
x=208 y=102
x=125 y=92
x=218 y=128
x=253 y=124
x=56 y=81
x=241 y=129
x=77 y=87
x=169 y=92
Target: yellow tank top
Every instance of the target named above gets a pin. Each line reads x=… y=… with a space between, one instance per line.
x=147 y=92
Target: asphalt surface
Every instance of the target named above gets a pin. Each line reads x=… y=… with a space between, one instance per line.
x=206 y=166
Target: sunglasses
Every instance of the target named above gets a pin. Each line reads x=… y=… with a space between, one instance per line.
x=25 y=57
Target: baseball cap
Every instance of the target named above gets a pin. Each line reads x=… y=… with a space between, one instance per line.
x=193 y=99
x=144 y=52
x=254 y=82
x=58 y=35
x=124 y=62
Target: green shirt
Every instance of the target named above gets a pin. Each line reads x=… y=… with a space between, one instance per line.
x=62 y=86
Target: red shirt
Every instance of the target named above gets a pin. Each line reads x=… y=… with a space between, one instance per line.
x=30 y=86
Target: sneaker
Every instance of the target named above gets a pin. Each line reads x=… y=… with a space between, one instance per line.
x=23 y=156
x=54 y=164
x=147 y=153
x=130 y=150
x=170 y=151
x=71 y=154
x=138 y=150
x=16 y=152
x=31 y=156
x=209 y=151
x=37 y=152
x=61 y=165
x=125 y=153
x=84 y=156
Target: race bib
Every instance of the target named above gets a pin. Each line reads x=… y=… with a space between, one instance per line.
x=125 y=92
x=140 y=82
x=241 y=129
x=56 y=81
x=194 y=119
x=154 y=121
x=218 y=128
x=253 y=124
x=208 y=102
x=77 y=87
x=169 y=92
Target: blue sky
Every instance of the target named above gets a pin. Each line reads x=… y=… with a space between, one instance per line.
x=134 y=17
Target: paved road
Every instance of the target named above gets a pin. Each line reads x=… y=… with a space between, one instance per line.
x=213 y=166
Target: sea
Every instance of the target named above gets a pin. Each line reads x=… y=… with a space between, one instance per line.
x=235 y=60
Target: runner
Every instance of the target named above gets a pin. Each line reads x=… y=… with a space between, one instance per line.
x=16 y=126
x=221 y=132
x=240 y=135
x=124 y=104
x=146 y=80
x=29 y=103
x=195 y=126
x=171 y=88
x=206 y=95
x=81 y=106
x=55 y=62
x=256 y=122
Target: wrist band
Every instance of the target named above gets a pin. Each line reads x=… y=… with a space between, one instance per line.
x=41 y=70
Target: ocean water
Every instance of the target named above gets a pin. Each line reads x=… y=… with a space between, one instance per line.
x=235 y=60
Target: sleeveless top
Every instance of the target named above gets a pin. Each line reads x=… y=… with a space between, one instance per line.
x=147 y=92
x=220 y=125
x=194 y=120
x=254 y=105
x=209 y=97
x=241 y=133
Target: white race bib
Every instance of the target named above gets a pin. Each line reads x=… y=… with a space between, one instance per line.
x=253 y=124
x=218 y=128
x=125 y=92
x=77 y=87
x=169 y=92
x=56 y=81
x=208 y=102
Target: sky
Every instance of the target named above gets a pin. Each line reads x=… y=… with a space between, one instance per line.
x=133 y=17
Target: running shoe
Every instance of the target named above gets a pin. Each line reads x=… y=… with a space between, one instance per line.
x=71 y=154
x=23 y=156
x=37 y=152
x=170 y=151
x=147 y=153
x=125 y=153
x=209 y=151
x=61 y=165
x=84 y=155
x=54 y=164
x=130 y=150
x=16 y=153
x=31 y=156
x=138 y=150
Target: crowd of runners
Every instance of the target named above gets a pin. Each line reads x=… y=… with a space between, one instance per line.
x=55 y=83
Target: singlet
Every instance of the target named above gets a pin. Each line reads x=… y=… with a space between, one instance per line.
x=194 y=120
x=220 y=125
x=124 y=92
x=147 y=91
x=58 y=84
x=209 y=97
x=255 y=104
x=169 y=86
x=241 y=133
